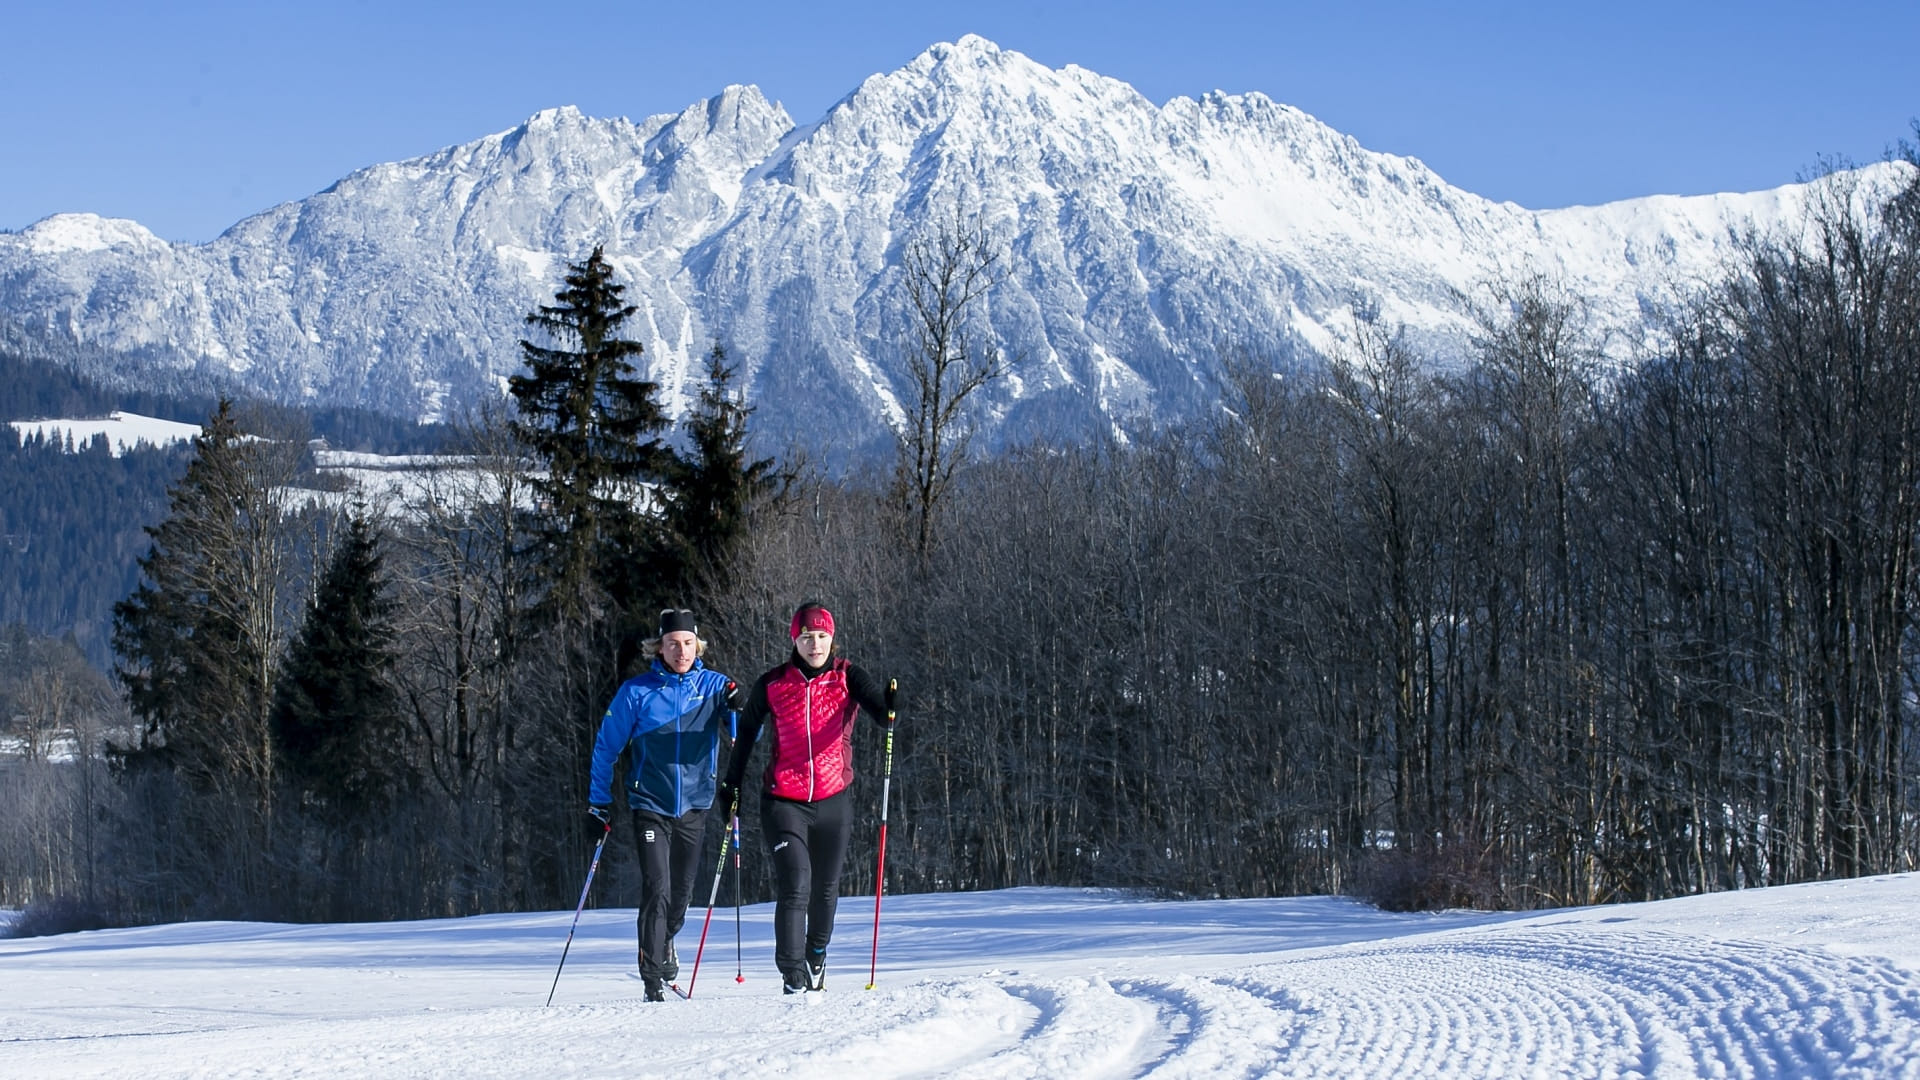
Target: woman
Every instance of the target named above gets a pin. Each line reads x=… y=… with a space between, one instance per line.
x=667 y=721
x=807 y=708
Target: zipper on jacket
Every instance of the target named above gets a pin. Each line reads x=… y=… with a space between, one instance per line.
x=810 y=761
x=679 y=788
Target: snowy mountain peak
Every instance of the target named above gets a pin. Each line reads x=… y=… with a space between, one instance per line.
x=62 y=234
x=741 y=102
x=967 y=56
x=739 y=117
x=1140 y=241
x=980 y=74
x=557 y=117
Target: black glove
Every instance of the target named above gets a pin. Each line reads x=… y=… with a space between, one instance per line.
x=726 y=800
x=603 y=815
x=736 y=698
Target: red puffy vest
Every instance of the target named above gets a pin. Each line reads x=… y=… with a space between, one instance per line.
x=812 y=725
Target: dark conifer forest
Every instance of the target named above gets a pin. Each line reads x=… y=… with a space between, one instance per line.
x=1520 y=627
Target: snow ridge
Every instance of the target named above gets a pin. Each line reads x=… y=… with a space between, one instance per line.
x=1142 y=242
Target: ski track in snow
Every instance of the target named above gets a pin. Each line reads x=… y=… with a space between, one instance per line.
x=1563 y=994
x=1559 y=1004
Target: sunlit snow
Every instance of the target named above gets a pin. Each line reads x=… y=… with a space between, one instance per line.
x=1804 y=981
x=81 y=233
x=124 y=431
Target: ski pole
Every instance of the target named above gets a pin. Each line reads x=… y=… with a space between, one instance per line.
x=733 y=735
x=578 y=908
x=739 y=972
x=708 y=921
x=880 y=867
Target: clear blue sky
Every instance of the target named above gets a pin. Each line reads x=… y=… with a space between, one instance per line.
x=189 y=117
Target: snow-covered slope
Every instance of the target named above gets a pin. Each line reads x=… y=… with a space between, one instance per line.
x=1144 y=242
x=124 y=431
x=1805 y=981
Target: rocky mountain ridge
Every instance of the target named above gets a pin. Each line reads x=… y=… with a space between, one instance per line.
x=1144 y=246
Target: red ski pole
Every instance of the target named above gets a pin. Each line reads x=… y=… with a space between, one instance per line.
x=880 y=867
x=708 y=921
x=732 y=733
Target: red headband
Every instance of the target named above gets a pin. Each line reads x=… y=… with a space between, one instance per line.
x=810 y=618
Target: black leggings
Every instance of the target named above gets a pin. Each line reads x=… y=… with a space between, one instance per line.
x=809 y=844
x=669 y=859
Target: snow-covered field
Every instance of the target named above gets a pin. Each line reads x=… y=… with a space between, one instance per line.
x=124 y=431
x=1804 y=981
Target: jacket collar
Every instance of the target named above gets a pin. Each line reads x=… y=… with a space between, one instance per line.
x=808 y=671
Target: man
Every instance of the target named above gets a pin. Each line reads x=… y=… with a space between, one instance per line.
x=667 y=721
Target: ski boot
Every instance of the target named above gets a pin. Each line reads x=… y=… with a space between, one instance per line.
x=793 y=980
x=816 y=969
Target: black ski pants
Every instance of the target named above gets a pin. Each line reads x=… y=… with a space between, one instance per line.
x=669 y=860
x=809 y=846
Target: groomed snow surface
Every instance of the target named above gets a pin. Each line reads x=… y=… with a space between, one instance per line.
x=1803 y=981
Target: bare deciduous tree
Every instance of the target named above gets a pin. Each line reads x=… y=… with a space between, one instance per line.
x=945 y=280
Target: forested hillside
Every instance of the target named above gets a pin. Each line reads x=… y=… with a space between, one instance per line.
x=35 y=389
x=73 y=519
x=71 y=526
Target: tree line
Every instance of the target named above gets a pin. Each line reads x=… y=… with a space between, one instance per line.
x=1519 y=628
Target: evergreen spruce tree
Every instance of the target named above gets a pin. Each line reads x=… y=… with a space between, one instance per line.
x=593 y=426
x=198 y=637
x=710 y=486
x=335 y=715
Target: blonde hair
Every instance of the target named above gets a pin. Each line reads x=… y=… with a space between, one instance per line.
x=650 y=648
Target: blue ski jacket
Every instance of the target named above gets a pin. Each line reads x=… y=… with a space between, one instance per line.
x=669 y=726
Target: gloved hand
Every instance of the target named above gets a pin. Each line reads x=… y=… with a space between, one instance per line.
x=736 y=699
x=603 y=815
x=726 y=800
